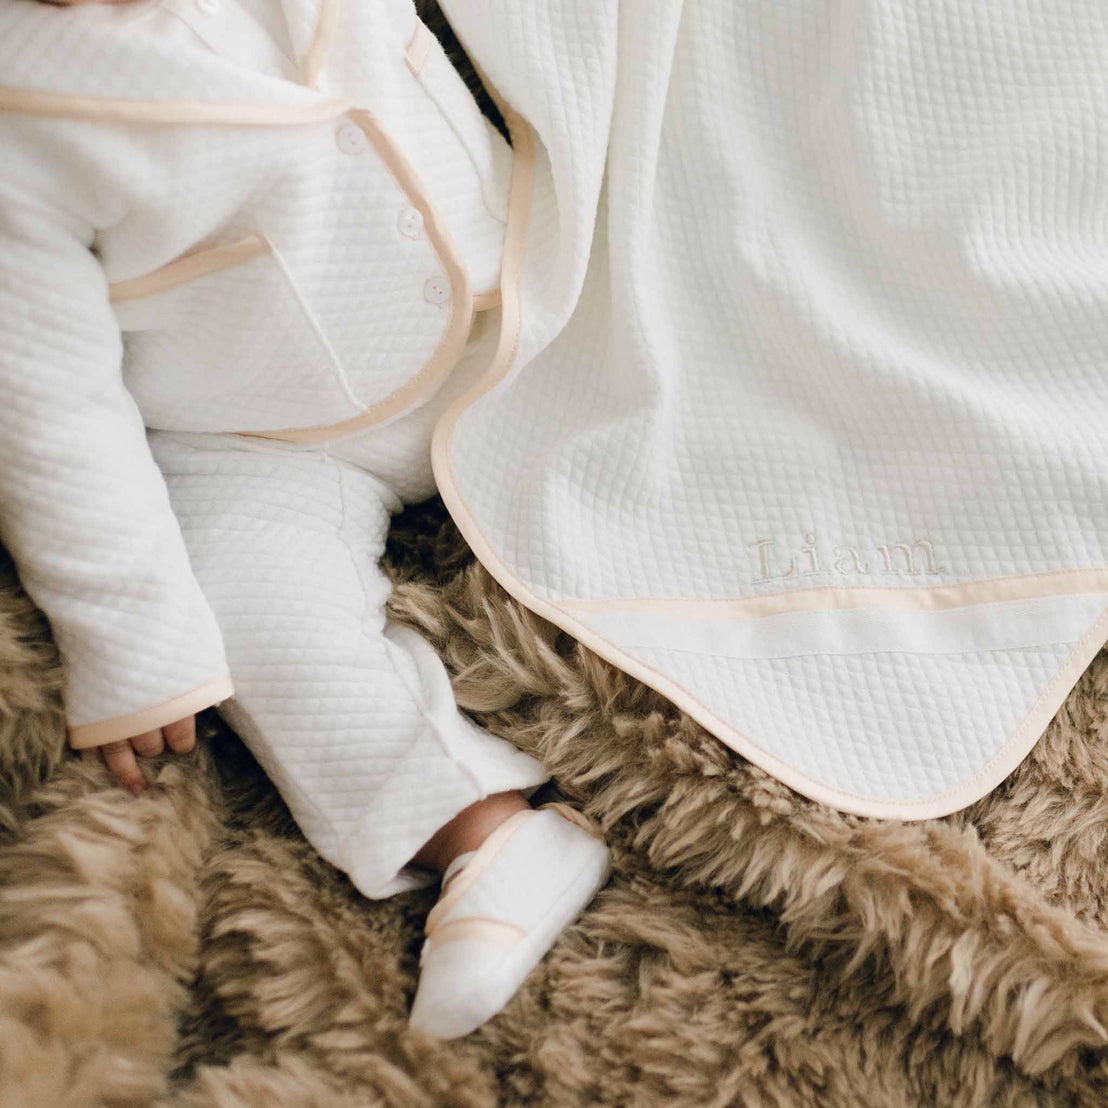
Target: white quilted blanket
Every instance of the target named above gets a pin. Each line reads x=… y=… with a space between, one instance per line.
x=802 y=389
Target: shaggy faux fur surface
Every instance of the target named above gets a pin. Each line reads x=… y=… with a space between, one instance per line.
x=188 y=949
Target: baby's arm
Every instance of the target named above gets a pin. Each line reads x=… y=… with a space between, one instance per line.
x=179 y=736
x=83 y=507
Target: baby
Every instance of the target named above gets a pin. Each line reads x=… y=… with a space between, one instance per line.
x=249 y=253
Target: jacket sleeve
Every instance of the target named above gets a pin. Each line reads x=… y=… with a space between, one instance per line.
x=83 y=508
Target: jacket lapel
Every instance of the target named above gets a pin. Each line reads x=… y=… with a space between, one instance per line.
x=98 y=52
x=306 y=19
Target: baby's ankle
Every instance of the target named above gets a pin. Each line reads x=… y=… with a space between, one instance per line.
x=469 y=829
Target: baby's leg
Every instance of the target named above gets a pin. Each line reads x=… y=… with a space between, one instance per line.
x=352 y=717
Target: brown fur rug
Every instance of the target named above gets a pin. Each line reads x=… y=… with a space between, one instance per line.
x=188 y=949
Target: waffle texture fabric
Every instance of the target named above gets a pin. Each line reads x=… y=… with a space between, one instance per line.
x=805 y=401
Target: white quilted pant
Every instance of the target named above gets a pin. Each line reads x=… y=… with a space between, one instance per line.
x=352 y=717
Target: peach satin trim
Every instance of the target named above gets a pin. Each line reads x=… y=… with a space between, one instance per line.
x=907 y=598
x=475 y=929
x=99 y=109
x=574 y=816
x=189 y=267
x=416 y=55
x=483 y=301
x=147 y=719
x=107 y=110
x=316 y=54
x=480 y=927
x=511 y=278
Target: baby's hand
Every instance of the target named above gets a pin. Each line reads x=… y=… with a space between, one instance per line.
x=119 y=757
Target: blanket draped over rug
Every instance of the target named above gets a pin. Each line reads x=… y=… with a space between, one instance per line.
x=188 y=949
x=801 y=388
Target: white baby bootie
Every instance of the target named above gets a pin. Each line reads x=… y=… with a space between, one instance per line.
x=500 y=913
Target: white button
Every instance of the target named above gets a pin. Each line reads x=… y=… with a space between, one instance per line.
x=437 y=290
x=410 y=222
x=351 y=139
x=208 y=7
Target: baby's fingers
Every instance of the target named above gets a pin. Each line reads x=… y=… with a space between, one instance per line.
x=149 y=745
x=181 y=735
x=120 y=759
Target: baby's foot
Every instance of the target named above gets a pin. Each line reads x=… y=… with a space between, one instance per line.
x=500 y=912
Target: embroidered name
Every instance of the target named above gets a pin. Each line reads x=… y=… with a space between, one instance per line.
x=813 y=559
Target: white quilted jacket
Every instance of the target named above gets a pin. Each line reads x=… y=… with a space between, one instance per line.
x=294 y=242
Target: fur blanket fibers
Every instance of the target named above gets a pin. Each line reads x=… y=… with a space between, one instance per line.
x=188 y=949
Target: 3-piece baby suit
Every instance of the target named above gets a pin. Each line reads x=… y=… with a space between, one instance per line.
x=298 y=230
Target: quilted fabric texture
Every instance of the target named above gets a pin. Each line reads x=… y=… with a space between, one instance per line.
x=839 y=345
x=349 y=303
